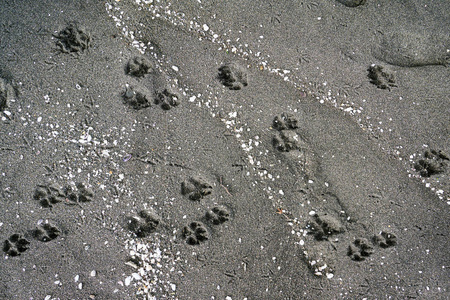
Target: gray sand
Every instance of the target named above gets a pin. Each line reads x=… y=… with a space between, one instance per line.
x=162 y=177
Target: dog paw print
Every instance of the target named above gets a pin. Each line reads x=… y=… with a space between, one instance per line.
x=196 y=188
x=434 y=162
x=285 y=121
x=70 y=195
x=137 y=98
x=218 y=215
x=167 y=99
x=324 y=225
x=233 y=76
x=48 y=195
x=286 y=141
x=46 y=232
x=85 y=194
x=80 y=194
x=385 y=239
x=15 y=245
x=360 y=249
x=139 y=66
x=195 y=233
x=73 y=38
x=144 y=223
x=380 y=78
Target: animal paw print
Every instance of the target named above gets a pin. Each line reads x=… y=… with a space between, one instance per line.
x=196 y=187
x=137 y=98
x=15 y=245
x=433 y=163
x=285 y=121
x=233 y=76
x=218 y=215
x=167 y=99
x=85 y=194
x=139 y=66
x=324 y=226
x=286 y=141
x=385 y=239
x=380 y=78
x=82 y=194
x=360 y=249
x=195 y=233
x=73 y=38
x=49 y=195
x=46 y=232
x=144 y=223
x=52 y=194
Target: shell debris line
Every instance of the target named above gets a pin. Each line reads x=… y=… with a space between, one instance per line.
x=153 y=266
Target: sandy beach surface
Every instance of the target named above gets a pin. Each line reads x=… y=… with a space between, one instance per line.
x=202 y=149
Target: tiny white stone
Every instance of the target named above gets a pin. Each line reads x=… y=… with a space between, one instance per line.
x=175 y=68
x=93 y=273
x=205 y=27
x=128 y=280
x=77 y=277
